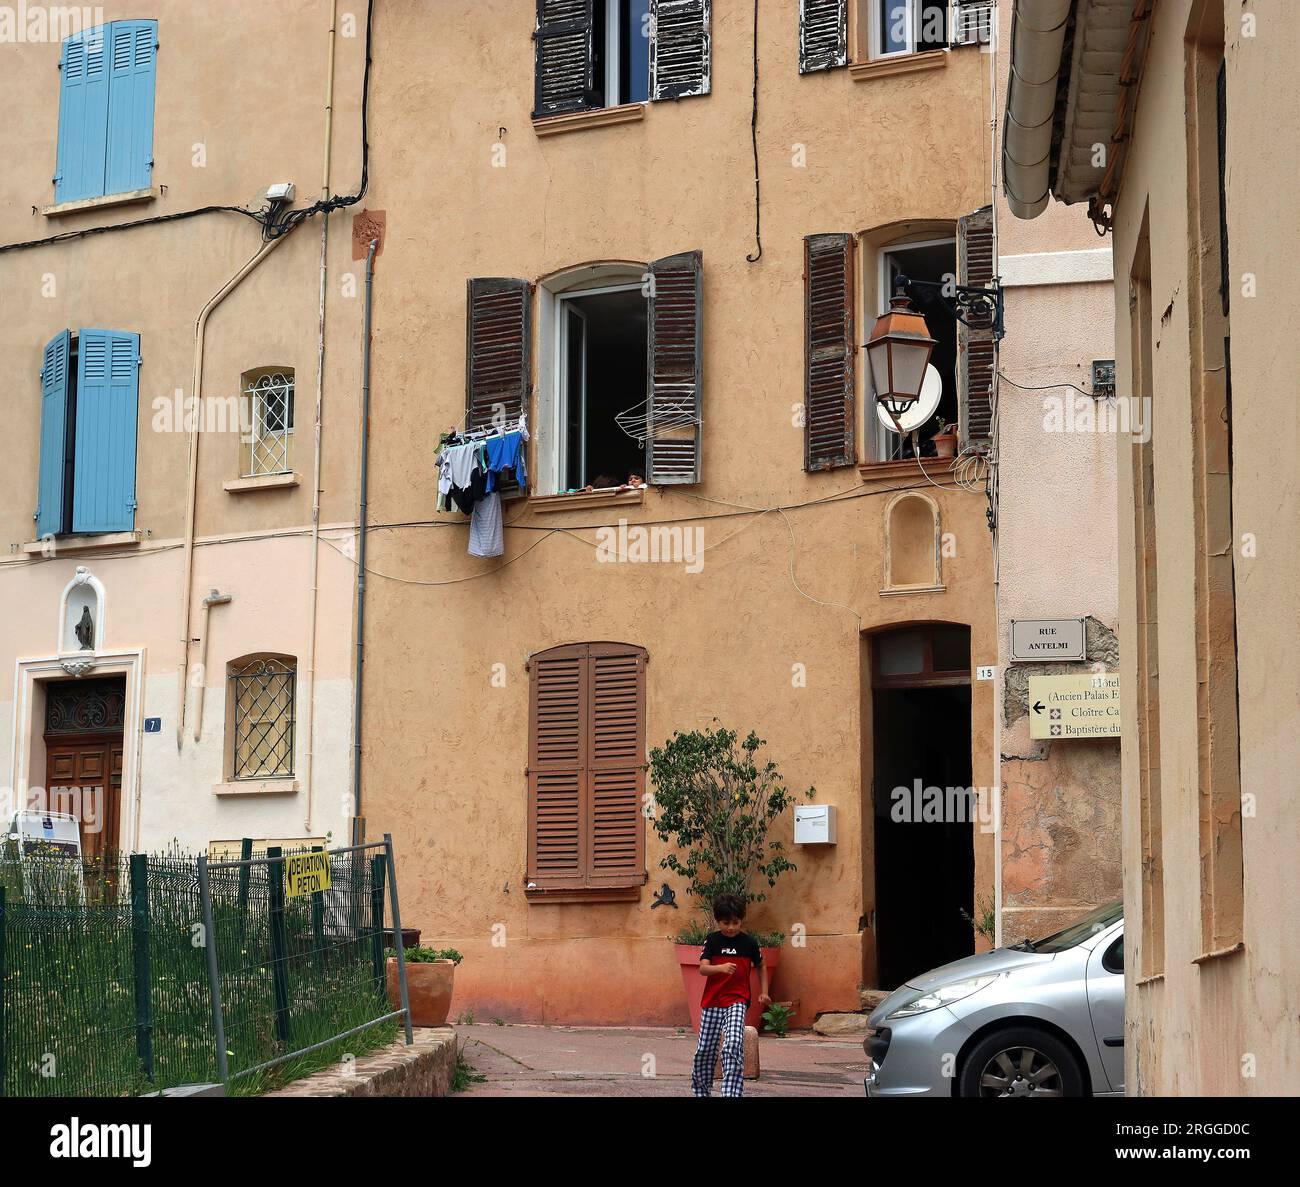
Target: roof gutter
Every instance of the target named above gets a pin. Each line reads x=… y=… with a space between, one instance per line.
x=1038 y=29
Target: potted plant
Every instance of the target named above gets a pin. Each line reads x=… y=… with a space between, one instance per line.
x=430 y=974
x=715 y=801
x=945 y=440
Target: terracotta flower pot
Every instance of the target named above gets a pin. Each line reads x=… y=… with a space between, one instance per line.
x=688 y=957
x=945 y=444
x=428 y=988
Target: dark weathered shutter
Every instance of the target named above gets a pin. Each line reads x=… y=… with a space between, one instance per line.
x=586 y=767
x=674 y=370
x=616 y=768
x=557 y=745
x=972 y=22
x=498 y=354
x=681 y=52
x=975 y=343
x=829 y=352
x=566 y=57
x=823 y=35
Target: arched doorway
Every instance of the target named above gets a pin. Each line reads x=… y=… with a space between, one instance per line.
x=923 y=808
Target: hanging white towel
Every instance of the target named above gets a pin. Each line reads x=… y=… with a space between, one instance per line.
x=486 y=531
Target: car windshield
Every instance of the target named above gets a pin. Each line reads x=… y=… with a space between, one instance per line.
x=1076 y=933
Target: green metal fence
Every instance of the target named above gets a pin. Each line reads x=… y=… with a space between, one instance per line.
x=107 y=969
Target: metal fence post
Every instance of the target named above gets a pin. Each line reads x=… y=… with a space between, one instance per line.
x=214 y=974
x=245 y=855
x=397 y=937
x=3 y=929
x=378 y=866
x=140 y=960
x=279 y=941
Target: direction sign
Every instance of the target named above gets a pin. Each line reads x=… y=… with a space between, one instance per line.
x=1035 y=640
x=306 y=873
x=1074 y=706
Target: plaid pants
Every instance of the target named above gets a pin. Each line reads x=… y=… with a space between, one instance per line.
x=725 y=1023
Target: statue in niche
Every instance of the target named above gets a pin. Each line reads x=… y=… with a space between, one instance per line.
x=86 y=630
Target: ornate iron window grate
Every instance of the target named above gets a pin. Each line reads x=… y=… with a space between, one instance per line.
x=270 y=398
x=85 y=706
x=264 y=692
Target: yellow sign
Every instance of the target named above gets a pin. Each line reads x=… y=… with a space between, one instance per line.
x=306 y=873
x=1074 y=706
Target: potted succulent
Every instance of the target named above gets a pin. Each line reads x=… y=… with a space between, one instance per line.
x=715 y=801
x=945 y=440
x=430 y=974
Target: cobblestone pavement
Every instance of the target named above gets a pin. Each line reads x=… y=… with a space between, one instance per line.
x=609 y=1061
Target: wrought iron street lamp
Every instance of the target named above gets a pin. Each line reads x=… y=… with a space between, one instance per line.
x=899 y=349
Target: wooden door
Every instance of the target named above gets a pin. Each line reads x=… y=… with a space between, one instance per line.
x=84 y=776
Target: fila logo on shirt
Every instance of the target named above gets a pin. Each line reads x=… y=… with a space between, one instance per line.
x=729 y=952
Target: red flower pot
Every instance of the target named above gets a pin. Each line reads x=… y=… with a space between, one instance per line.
x=688 y=957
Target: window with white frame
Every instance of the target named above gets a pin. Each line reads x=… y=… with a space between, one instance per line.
x=260 y=714
x=622 y=44
x=268 y=423
x=906 y=26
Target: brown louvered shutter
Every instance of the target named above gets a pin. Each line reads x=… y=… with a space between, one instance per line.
x=830 y=351
x=498 y=356
x=557 y=747
x=674 y=370
x=823 y=35
x=681 y=51
x=566 y=57
x=586 y=768
x=976 y=348
x=616 y=771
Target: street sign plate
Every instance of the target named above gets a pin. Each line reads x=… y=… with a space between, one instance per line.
x=1039 y=640
x=1074 y=706
x=306 y=873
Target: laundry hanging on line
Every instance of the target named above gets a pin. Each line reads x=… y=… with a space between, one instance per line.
x=470 y=477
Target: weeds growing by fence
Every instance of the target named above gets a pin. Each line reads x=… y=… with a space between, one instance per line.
x=104 y=980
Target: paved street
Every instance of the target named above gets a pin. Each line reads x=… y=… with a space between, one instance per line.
x=588 y=1061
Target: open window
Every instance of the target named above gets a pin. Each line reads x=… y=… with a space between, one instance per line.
x=931 y=259
x=593 y=54
x=896 y=27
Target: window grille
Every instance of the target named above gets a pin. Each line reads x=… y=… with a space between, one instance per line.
x=263 y=692
x=973 y=22
x=270 y=398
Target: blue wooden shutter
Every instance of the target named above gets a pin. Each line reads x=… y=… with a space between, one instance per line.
x=132 y=59
x=108 y=391
x=54 y=436
x=83 y=116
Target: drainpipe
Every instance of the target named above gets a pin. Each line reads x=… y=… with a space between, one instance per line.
x=191 y=493
x=309 y=701
x=1037 y=39
x=362 y=520
x=213 y=599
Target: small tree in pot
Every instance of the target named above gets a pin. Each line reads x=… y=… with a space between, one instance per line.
x=716 y=801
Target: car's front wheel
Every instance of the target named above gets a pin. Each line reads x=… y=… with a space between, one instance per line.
x=1021 y=1061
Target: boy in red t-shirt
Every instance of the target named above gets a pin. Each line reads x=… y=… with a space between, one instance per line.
x=728 y=955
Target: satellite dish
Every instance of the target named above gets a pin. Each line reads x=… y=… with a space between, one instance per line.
x=927 y=404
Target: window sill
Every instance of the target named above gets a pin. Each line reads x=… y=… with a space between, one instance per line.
x=88 y=543
x=257 y=787
x=930 y=59
x=1151 y=979
x=899 y=591
x=130 y=198
x=1219 y=953
x=599 y=117
x=584 y=500
x=587 y=894
x=934 y=469
x=243 y=486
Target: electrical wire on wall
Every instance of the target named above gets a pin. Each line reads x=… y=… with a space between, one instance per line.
x=274 y=225
x=755 y=256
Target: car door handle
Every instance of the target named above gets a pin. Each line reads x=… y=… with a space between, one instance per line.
x=1116 y=1041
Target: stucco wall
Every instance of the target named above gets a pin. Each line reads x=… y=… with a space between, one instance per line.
x=445 y=773
x=1227 y=1025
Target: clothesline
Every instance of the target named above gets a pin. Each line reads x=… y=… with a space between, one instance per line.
x=470 y=474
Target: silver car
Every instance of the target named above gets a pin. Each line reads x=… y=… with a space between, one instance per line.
x=1041 y=1018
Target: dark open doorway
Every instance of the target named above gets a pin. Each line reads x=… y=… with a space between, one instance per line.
x=924 y=814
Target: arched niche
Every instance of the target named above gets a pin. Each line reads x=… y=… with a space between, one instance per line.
x=81 y=614
x=913 y=561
